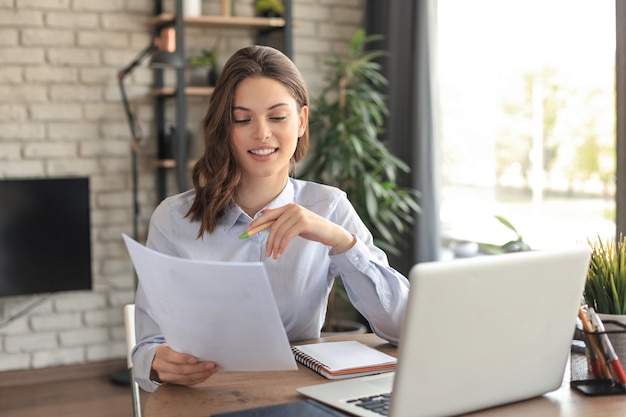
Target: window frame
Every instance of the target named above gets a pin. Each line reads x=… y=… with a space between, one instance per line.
x=620 y=117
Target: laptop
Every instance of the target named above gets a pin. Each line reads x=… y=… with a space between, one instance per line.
x=478 y=333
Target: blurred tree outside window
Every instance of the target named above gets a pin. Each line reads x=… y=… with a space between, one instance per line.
x=528 y=119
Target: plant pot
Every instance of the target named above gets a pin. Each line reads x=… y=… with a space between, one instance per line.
x=270 y=14
x=343 y=327
x=192 y=7
x=212 y=77
x=196 y=76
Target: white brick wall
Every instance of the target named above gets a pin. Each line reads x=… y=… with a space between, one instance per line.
x=61 y=114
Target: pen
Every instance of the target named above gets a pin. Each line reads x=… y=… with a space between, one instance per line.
x=591 y=337
x=256 y=230
x=596 y=369
x=611 y=356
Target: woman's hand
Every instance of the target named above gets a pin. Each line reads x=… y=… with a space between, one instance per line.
x=180 y=368
x=294 y=220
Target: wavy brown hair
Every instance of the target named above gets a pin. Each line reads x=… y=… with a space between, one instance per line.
x=216 y=175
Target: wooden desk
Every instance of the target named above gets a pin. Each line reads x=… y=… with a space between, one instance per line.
x=240 y=390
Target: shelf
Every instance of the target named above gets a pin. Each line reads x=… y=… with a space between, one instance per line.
x=171 y=163
x=190 y=91
x=238 y=22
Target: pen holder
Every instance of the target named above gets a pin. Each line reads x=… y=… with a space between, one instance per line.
x=582 y=376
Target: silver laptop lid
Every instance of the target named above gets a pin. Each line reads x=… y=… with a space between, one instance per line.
x=487 y=331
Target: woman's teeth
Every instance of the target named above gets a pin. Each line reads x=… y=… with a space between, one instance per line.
x=263 y=152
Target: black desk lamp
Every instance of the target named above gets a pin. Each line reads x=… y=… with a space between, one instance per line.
x=164 y=55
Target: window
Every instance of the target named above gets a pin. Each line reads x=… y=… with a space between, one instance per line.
x=527 y=120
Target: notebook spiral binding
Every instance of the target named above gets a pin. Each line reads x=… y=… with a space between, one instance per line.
x=307 y=360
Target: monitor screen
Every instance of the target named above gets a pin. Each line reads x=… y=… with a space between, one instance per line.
x=45 y=243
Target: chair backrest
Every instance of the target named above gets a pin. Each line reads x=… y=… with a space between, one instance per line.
x=129 y=323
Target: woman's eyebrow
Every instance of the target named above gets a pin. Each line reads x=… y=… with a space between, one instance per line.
x=278 y=105
x=242 y=108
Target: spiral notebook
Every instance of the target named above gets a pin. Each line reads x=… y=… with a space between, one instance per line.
x=338 y=360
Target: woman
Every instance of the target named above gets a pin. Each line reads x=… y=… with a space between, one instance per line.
x=256 y=130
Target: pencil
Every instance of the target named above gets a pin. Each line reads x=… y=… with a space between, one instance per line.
x=591 y=337
x=611 y=356
x=256 y=230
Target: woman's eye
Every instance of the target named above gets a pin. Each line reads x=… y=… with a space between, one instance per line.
x=278 y=118
x=240 y=121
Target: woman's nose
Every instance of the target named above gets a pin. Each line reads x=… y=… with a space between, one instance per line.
x=263 y=131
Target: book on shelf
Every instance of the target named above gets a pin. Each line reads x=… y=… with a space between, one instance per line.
x=347 y=359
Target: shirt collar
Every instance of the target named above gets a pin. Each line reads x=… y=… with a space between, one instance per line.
x=233 y=214
x=286 y=196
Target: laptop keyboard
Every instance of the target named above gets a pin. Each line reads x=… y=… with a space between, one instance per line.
x=376 y=403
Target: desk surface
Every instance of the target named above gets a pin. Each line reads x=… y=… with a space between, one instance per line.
x=230 y=391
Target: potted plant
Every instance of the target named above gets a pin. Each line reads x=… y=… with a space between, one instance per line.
x=469 y=248
x=269 y=8
x=605 y=288
x=346 y=151
x=207 y=58
x=515 y=245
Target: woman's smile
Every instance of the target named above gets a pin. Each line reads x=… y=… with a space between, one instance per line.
x=263 y=152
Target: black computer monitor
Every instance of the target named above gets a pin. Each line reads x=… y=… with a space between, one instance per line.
x=45 y=243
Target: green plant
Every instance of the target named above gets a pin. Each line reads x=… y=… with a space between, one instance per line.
x=346 y=120
x=605 y=289
x=207 y=57
x=516 y=245
x=262 y=7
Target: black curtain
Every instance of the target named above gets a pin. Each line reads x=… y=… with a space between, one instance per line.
x=411 y=129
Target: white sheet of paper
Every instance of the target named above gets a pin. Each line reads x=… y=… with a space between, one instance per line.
x=219 y=311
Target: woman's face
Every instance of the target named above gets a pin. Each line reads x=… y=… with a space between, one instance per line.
x=266 y=127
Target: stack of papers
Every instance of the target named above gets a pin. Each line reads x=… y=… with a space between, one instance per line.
x=224 y=312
